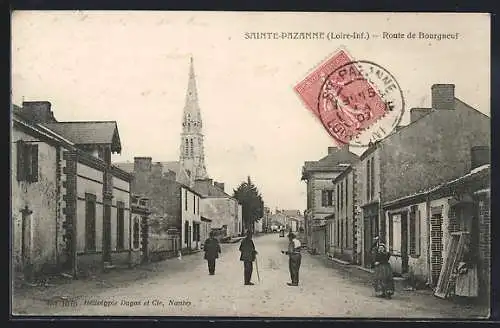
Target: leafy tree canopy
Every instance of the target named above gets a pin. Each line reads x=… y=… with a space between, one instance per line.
x=251 y=202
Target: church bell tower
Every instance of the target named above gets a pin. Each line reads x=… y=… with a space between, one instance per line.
x=192 y=156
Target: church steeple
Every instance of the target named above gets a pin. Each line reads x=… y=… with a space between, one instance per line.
x=192 y=156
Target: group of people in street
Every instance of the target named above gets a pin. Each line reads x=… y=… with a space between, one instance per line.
x=383 y=281
x=248 y=255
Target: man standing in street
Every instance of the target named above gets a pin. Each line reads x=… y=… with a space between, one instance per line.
x=294 y=258
x=212 y=251
x=248 y=252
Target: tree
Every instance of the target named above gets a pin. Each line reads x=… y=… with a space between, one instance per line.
x=251 y=202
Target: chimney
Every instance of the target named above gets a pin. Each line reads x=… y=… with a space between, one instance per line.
x=417 y=113
x=170 y=175
x=480 y=155
x=219 y=185
x=142 y=164
x=204 y=183
x=443 y=96
x=157 y=170
x=38 y=111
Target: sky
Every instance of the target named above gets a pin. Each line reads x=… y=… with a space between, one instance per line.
x=132 y=67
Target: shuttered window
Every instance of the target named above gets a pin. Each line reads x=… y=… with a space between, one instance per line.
x=27 y=161
x=326 y=198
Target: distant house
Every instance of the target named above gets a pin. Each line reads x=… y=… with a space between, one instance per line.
x=206 y=228
x=342 y=224
x=86 y=211
x=170 y=199
x=223 y=210
x=321 y=194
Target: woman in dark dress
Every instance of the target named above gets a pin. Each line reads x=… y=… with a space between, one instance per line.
x=383 y=281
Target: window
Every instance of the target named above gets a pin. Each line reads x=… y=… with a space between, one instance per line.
x=120 y=226
x=194 y=204
x=198 y=204
x=90 y=213
x=186 y=147
x=27 y=162
x=326 y=198
x=197 y=233
x=136 y=233
x=185 y=199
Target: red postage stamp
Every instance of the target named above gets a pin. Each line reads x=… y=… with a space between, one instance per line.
x=358 y=102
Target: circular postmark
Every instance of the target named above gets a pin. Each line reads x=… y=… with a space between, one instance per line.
x=360 y=103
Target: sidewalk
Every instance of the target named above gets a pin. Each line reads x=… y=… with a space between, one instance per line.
x=364 y=276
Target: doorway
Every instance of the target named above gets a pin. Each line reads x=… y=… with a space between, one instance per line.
x=26 y=243
x=144 y=237
x=404 y=243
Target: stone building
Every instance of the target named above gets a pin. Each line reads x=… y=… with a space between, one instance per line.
x=433 y=148
x=224 y=211
x=421 y=224
x=87 y=201
x=343 y=232
x=36 y=197
x=321 y=194
x=171 y=201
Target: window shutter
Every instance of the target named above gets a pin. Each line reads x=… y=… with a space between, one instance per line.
x=412 y=225
x=34 y=163
x=391 y=231
x=21 y=170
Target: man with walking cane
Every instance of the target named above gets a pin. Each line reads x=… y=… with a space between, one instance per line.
x=294 y=258
x=248 y=255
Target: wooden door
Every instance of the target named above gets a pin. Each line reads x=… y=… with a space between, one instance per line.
x=367 y=242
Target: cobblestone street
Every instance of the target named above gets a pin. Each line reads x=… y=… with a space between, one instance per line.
x=184 y=288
